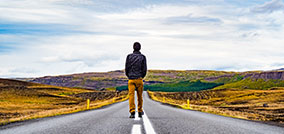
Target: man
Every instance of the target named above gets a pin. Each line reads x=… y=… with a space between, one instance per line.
x=135 y=70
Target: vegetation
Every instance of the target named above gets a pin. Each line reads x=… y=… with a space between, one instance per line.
x=250 y=83
x=263 y=105
x=110 y=80
x=236 y=94
x=226 y=80
x=236 y=82
x=183 y=86
x=23 y=100
x=122 y=88
x=250 y=95
x=105 y=80
x=182 y=75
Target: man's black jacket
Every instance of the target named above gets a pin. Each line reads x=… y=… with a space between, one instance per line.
x=135 y=66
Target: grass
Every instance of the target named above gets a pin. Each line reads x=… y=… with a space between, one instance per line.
x=111 y=89
x=249 y=83
x=22 y=100
x=238 y=103
x=232 y=79
x=182 y=75
x=183 y=86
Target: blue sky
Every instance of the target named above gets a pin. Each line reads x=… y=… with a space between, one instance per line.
x=54 y=37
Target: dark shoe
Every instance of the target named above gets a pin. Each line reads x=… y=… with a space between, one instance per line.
x=140 y=114
x=132 y=115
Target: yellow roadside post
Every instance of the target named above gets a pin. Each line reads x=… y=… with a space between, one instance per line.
x=88 y=103
x=164 y=99
x=187 y=103
x=113 y=99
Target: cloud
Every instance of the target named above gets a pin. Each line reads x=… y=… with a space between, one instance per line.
x=269 y=7
x=88 y=60
x=57 y=37
x=24 y=70
x=249 y=35
x=190 y=19
x=18 y=72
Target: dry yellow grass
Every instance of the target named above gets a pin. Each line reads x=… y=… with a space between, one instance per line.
x=21 y=101
x=28 y=113
x=245 y=104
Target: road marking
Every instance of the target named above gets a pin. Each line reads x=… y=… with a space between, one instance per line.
x=136 y=117
x=147 y=125
x=136 y=129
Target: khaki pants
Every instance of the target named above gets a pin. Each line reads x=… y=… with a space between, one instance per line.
x=132 y=85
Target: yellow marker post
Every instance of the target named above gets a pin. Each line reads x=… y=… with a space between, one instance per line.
x=188 y=103
x=113 y=100
x=164 y=99
x=88 y=103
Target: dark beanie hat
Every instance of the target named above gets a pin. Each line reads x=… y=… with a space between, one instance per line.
x=136 y=46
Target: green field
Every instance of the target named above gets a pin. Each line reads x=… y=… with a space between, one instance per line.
x=248 y=83
x=183 y=86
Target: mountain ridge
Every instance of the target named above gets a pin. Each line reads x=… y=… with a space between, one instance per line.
x=112 y=79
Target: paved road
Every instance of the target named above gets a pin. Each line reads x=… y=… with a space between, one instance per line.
x=160 y=119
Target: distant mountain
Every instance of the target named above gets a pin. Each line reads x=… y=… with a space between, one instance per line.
x=98 y=81
x=85 y=80
x=112 y=79
x=274 y=75
x=14 y=83
x=266 y=75
x=250 y=80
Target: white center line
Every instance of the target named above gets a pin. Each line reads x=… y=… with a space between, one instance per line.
x=136 y=129
x=136 y=117
x=147 y=125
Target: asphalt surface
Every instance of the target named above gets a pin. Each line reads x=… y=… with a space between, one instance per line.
x=159 y=118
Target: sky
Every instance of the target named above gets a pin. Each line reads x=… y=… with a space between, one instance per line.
x=56 y=37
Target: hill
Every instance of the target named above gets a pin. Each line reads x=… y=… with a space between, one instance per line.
x=254 y=95
x=183 y=86
x=21 y=100
x=261 y=105
x=250 y=95
x=112 y=79
x=251 y=80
